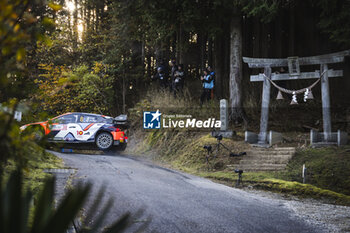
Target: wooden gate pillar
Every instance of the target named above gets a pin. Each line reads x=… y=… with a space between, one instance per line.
x=264 y=119
x=326 y=107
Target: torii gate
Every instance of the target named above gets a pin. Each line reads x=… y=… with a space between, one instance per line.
x=293 y=64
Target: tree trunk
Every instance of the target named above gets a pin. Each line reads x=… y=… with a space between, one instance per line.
x=87 y=17
x=277 y=38
x=219 y=65
x=235 y=84
x=203 y=40
x=124 y=93
x=264 y=40
x=291 y=42
x=179 y=45
x=226 y=62
x=75 y=25
x=210 y=51
x=256 y=38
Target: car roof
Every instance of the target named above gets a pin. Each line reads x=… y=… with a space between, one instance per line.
x=84 y=113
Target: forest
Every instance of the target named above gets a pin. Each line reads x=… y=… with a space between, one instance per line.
x=99 y=56
x=102 y=56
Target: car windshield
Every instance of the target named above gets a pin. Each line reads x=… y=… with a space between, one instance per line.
x=66 y=119
x=91 y=119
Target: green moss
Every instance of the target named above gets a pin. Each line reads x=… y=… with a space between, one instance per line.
x=35 y=175
x=327 y=168
x=259 y=180
x=304 y=190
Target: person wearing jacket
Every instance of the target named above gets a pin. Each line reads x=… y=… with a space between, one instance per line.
x=173 y=69
x=179 y=78
x=212 y=74
x=161 y=78
x=208 y=85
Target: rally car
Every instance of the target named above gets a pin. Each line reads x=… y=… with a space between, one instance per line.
x=103 y=131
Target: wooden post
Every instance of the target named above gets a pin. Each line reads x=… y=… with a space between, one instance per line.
x=303 y=174
x=326 y=111
x=264 y=120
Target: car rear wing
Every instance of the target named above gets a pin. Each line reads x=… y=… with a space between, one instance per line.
x=121 y=121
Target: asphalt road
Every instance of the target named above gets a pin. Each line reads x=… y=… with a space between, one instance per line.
x=179 y=202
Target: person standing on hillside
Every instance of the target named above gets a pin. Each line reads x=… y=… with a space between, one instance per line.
x=179 y=78
x=161 y=78
x=173 y=69
x=208 y=86
x=212 y=74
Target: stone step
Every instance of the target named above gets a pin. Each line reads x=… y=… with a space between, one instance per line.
x=284 y=148
x=270 y=161
x=275 y=149
x=270 y=153
x=291 y=149
x=265 y=159
x=269 y=156
x=261 y=167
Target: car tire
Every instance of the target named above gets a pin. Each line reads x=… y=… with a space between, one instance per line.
x=104 y=141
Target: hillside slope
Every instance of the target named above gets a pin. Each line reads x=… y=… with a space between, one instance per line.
x=328 y=173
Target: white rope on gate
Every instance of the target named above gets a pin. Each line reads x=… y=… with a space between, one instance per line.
x=294 y=92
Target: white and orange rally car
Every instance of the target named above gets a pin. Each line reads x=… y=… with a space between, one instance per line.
x=103 y=131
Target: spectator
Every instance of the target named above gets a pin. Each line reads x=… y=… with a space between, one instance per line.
x=165 y=67
x=179 y=78
x=212 y=74
x=208 y=85
x=173 y=69
x=161 y=77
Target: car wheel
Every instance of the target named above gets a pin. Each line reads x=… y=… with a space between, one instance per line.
x=104 y=141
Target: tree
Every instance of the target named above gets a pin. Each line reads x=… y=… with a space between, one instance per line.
x=21 y=27
x=335 y=20
x=236 y=69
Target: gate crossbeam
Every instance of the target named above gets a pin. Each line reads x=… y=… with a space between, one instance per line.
x=283 y=62
x=305 y=75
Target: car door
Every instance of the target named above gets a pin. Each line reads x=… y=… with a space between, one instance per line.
x=64 y=127
x=72 y=133
x=89 y=124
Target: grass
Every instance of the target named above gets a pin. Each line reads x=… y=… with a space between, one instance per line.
x=327 y=168
x=264 y=180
